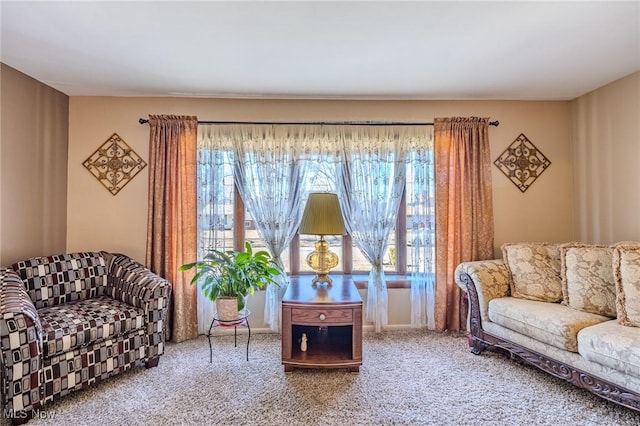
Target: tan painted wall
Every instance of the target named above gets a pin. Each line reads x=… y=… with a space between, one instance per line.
x=96 y=219
x=99 y=220
x=606 y=150
x=33 y=172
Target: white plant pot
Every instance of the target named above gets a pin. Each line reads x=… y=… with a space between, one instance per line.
x=227 y=308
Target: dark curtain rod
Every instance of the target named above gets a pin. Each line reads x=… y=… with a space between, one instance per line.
x=334 y=123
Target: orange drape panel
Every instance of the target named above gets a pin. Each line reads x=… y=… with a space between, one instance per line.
x=464 y=209
x=172 y=217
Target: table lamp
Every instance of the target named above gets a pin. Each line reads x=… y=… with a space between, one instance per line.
x=322 y=216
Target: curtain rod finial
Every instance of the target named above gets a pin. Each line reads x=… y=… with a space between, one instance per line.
x=143 y=121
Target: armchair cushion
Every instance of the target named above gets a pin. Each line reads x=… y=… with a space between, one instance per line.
x=70 y=326
x=63 y=278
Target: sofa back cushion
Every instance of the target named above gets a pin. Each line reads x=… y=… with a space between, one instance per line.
x=626 y=269
x=535 y=270
x=55 y=280
x=588 y=283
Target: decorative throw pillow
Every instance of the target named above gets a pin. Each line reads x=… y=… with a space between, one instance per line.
x=535 y=270
x=626 y=269
x=588 y=284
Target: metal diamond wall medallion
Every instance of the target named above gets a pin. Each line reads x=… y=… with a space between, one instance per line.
x=522 y=162
x=114 y=164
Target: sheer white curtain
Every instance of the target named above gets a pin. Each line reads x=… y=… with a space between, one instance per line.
x=371 y=184
x=215 y=208
x=271 y=175
x=421 y=233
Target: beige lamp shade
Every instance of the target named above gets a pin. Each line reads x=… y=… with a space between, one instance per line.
x=322 y=215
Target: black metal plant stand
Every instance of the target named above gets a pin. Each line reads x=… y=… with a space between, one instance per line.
x=242 y=321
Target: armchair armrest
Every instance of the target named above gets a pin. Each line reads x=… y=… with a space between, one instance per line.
x=130 y=282
x=490 y=279
x=20 y=345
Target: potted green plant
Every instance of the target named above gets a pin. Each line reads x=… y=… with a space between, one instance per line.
x=228 y=277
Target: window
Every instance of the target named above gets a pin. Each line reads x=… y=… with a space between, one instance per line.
x=234 y=225
x=351 y=259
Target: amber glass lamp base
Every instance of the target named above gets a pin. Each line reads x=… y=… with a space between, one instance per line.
x=321 y=261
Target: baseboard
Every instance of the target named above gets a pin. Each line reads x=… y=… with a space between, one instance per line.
x=393 y=327
x=367 y=328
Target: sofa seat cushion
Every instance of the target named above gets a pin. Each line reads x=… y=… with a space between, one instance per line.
x=550 y=323
x=73 y=325
x=612 y=345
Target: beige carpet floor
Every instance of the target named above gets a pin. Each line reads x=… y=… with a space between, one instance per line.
x=407 y=378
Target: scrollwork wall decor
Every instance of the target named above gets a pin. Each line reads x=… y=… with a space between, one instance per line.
x=114 y=164
x=522 y=162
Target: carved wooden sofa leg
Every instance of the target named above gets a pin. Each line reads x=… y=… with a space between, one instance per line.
x=477 y=345
x=152 y=362
x=476 y=335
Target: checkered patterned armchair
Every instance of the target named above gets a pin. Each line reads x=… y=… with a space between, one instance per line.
x=70 y=320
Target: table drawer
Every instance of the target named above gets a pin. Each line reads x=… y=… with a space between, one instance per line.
x=321 y=316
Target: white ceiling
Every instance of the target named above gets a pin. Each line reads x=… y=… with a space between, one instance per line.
x=355 y=50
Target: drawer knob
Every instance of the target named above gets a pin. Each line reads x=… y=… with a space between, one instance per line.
x=322 y=317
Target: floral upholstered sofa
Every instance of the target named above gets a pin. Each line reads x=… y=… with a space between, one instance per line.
x=70 y=320
x=572 y=310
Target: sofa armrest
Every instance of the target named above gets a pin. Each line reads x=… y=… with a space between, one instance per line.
x=130 y=282
x=20 y=344
x=490 y=279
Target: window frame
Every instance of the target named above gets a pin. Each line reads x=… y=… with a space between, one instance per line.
x=239 y=238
